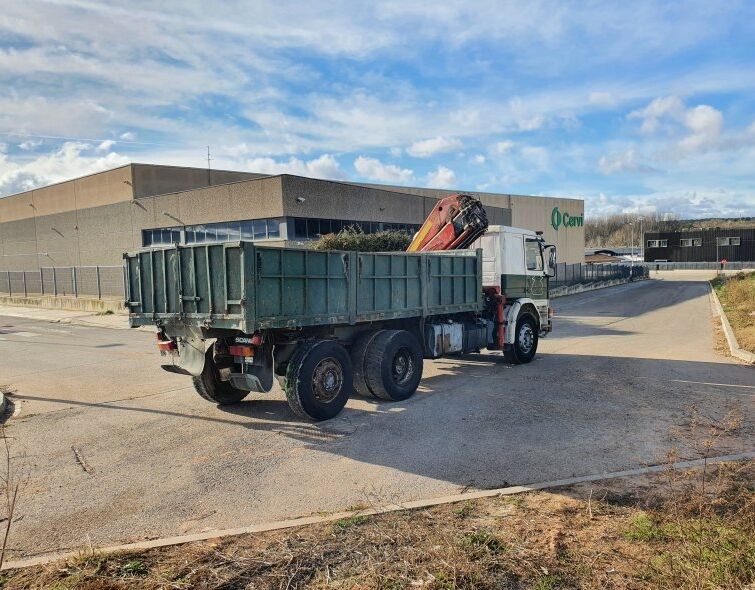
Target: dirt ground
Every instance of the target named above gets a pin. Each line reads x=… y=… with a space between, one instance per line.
x=693 y=529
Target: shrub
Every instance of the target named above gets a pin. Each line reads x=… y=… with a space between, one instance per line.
x=354 y=239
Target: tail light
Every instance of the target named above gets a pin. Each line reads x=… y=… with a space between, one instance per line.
x=241 y=350
x=165 y=344
x=551 y=312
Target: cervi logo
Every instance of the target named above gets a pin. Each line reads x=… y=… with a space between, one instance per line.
x=563 y=219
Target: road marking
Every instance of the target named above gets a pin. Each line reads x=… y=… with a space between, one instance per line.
x=413 y=505
x=714 y=384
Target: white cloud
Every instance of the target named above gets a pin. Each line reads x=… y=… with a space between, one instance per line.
x=430 y=147
x=441 y=177
x=478 y=159
x=395 y=152
x=627 y=161
x=602 y=99
x=30 y=144
x=105 y=145
x=72 y=159
x=374 y=169
x=501 y=148
x=658 y=109
x=128 y=136
x=326 y=166
x=705 y=123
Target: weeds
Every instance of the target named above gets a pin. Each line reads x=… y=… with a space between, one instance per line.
x=737 y=296
x=353 y=238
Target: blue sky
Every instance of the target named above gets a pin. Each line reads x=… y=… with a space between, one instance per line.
x=633 y=106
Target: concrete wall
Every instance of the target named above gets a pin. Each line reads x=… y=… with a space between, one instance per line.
x=339 y=200
x=535 y=213
x=152 y=180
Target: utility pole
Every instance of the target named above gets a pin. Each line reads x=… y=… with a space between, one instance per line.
x=209 y=178
x=631 y=258
x=642 y=240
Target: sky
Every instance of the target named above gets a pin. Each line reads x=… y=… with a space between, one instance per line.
x=636 y=107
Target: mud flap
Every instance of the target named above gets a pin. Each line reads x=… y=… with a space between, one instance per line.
x=191 y=356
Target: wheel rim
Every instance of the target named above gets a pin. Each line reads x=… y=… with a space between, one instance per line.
x=327 y=380
x=526 y=338
x=402 y=369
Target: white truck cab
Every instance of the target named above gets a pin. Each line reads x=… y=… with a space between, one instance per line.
x=517 y=264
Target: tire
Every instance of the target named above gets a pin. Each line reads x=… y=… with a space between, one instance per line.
x=358 y=355
x=318 y=380
x=209 y=386
x=525 y=340
x=394 y=365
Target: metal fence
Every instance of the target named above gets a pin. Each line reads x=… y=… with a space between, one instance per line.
x=575 y=274
x=698 y=265
x=101 y=282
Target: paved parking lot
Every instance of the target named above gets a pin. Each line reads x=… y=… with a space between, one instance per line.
x=117 y=450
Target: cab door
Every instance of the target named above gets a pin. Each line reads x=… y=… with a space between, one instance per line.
x=534 y=268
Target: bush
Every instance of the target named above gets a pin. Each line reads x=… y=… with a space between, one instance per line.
x=354 y=239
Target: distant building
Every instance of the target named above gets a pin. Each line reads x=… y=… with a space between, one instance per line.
x=92 y=220
x=701 y=245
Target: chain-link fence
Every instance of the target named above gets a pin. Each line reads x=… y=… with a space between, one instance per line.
x=576 y=274
x=101 y=282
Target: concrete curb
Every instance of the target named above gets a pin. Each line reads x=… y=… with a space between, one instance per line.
x=416 y=504
x=584 y=287
x=731 y=338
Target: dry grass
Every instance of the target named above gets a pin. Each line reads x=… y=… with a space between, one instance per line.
x=638 y=533
x=737 y=296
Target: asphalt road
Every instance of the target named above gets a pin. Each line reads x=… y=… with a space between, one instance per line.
x=116 y=450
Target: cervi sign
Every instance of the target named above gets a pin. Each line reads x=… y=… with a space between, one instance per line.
x=563 y=219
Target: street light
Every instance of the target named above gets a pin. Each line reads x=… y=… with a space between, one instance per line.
x=642 y=240
x=631 y=256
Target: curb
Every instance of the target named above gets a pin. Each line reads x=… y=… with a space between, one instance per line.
x=413 y=505
x=731 y=338
x=586 y=287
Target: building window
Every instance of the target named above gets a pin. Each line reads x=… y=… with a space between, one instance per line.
x=688 y=242
x=310 y=228
x=663 y=243
x=212 y=233
x=732 y=241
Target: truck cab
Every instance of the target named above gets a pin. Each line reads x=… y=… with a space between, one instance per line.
x=516 y=267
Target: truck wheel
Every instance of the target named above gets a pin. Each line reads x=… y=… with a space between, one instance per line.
x=210 y=387
x=525 y=340
x=318 y=380
x=358 y=355
x=394 y=365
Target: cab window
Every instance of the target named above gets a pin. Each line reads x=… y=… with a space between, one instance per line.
x=533 y=255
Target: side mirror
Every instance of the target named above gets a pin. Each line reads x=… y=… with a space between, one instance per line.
x=550 y=268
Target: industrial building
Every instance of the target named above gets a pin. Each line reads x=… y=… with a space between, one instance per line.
x=92 y=220
x=701 y=245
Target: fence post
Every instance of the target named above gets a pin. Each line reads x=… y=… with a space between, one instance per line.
x=41 y=281
x=73 y=282
x=23 y=274
x=10 y=289
x=54 y=282
x=99 y=288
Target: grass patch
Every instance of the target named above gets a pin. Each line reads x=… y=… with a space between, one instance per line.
x=662 y=534
x=643 y=528
x=737 y=296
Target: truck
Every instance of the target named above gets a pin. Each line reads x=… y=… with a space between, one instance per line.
x=236 y=317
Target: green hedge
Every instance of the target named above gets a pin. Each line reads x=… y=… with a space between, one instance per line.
x=356 y=240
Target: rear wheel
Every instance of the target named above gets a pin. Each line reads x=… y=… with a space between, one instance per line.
x=358 y=355
x=394 y=365
x=525 y=340
x=210 y=387
x=318 y=380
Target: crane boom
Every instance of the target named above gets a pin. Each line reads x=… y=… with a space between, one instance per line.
x=454 y=223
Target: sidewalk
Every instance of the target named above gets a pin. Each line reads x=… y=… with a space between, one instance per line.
x=59 y=316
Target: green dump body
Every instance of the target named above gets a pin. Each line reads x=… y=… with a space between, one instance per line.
x=246 y=287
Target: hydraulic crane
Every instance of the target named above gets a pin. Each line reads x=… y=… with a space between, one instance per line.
x=454 y=223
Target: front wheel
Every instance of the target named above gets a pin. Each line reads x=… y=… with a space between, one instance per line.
x=525 y=340
x=209 y=385
x=318 y=380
